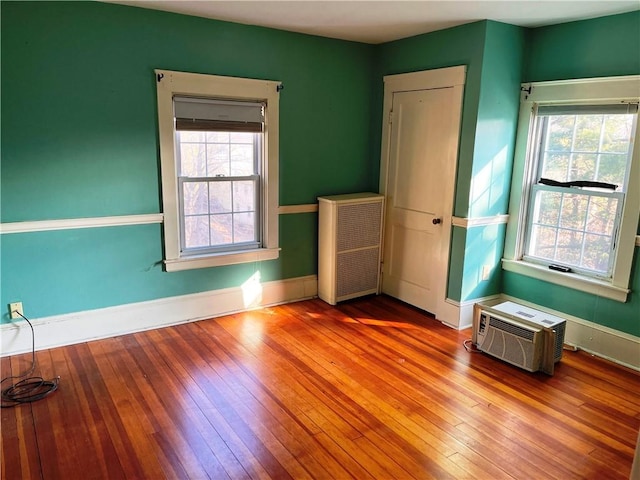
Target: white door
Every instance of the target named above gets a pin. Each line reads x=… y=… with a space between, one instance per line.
x=419 y=188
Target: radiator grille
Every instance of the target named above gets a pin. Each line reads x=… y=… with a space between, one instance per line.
x=357 y=271
x=511 y=328
x=358 y=225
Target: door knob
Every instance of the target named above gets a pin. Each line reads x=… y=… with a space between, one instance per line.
x=436 y=221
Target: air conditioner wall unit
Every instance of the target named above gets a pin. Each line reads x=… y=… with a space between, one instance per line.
x=527 y=338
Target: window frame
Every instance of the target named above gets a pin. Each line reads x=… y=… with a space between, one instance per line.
x=170 y=84
x=580 y=91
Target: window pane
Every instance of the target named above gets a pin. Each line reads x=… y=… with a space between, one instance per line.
x=220 y=197
x=195 y=198
x=573 y=212
x=196 y=231
x=187 y=136
x=569 y=249
x=612 y=169
x=587 y=137
x=193 y=160
x=221 y=229
x=602 y=215
x=543 y=242
x=548 y=208
x=244 y=196
x=218 y=159
x=583 y=166
x=597 y=253
x=617 y=131
x=241 y=137
x=217 y=137
x=242 y=162
x=244 y=227
x=556 y=166
x=560 y=133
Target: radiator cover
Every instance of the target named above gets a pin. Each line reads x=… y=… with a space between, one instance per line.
x=349 y=245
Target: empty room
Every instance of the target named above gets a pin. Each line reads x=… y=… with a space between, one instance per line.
x=226 y=254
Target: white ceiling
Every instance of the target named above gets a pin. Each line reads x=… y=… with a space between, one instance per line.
x=383 y=21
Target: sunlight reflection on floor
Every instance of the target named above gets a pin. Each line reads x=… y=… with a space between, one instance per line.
x=368 y=321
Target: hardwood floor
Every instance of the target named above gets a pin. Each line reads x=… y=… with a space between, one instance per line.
x=371 y=389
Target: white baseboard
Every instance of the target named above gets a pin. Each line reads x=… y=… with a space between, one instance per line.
x=463 y=312
x=68 y=329
x=619 y=347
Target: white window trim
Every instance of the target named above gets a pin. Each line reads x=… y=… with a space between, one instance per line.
x=171 y=83
x=597 y=90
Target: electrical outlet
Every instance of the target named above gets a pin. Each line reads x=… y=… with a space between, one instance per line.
x=14 y=308
x=486 y=272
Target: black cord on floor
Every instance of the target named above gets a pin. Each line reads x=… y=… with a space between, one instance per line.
x=469 y=346
x=29 y=389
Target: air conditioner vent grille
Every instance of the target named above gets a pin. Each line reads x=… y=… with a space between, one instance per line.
x=511 y=328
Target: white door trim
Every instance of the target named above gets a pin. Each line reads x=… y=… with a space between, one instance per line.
x=427 y=80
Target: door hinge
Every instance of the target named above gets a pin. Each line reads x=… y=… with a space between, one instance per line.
x=390 y=116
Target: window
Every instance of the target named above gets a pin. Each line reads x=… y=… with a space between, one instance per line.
x=583 y=158
x=219 y=158
x=577 y=210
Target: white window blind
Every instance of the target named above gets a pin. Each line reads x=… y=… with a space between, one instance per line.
x=201 y=114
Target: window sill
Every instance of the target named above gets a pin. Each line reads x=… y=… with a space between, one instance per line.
x=220 y=259
x=593 y=286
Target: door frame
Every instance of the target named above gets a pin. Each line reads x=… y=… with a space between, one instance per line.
x=450 y=77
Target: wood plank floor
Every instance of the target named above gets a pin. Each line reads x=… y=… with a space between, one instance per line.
x=371 y=389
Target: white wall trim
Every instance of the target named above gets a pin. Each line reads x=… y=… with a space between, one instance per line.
x=480 y=221
x=118 y=220
x=73 y=223
x=575 y=281
x=465 y=311
x=68 y=329
x=303 y=208
x=616 y=346
x=225 y=258
x=426 y=80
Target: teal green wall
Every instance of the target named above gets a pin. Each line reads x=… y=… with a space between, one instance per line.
x=606 y=46
x=487 y=189
x=79 y=139
x=591 y=48
x=488 y=192
x=64 y=271
x=481 y=246
x=620 y=316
